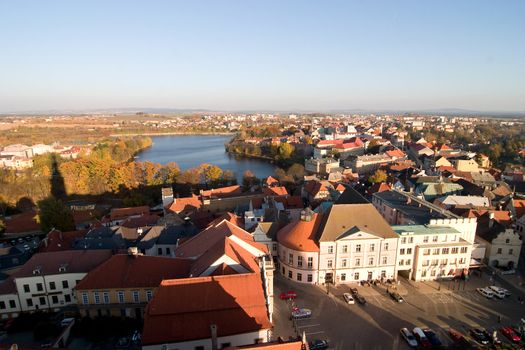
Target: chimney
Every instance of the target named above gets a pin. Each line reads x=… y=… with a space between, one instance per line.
x=213 y=329
x=491 y=219
x=133 y=252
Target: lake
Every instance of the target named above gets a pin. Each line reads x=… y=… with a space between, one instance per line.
x=192 y=151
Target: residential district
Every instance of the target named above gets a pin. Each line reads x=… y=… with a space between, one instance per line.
x=387 y=241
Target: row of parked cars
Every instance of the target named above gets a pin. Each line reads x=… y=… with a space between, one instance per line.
x=354 y=296
x=493 y=291
x=427 y=338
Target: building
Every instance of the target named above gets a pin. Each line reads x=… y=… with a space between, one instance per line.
x=125 y=283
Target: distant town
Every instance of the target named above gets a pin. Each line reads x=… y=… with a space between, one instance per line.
x=409 y=227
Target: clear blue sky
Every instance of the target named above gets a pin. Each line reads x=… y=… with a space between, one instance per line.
x=230 y=55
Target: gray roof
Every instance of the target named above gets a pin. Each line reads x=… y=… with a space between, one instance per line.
x=167 y=235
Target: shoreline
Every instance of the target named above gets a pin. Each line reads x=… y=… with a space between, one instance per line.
x=174 y=134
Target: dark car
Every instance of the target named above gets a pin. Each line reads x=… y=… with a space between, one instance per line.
x=360 y=299
x=432 y=337
x=396 y=296
x=318 y=344
x=353 y=291
x=480 y=336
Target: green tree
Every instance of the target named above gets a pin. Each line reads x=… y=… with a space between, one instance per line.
x=52 y=213
x=378 y=177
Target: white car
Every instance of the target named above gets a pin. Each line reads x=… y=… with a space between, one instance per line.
x=409 y=337
x=500 y=290
x=486 y=292
x=348 y=298
x=299 y=313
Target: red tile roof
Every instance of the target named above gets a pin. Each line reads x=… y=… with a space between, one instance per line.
x=396 y=153
x=185 y=204
x=58 y=241
x=296 y=345
x=140 y=271
x=275 y=191
x=21 y=223
x=290 y=202
x=183 y=309
x=74 y=261
x=519 y=207
x=300 y=235
x=141 y=221
x=123 y=213
x=500 y=216
x=222 y=191
x=230 y=217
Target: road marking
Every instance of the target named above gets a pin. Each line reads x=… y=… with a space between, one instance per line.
x=310 y=325
x=311 y=333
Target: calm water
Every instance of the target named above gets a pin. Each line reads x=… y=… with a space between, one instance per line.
x=192 y=151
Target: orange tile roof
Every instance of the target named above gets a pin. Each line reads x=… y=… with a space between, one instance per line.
x=275 y=191
x=24 y=222
x=290 y=202
x=396 y=153
x=74 y=261
x=203 y=241
x=222 y=191
x=186 y=204
x=300 y=235
x=519 y=207
x=140 y=271
x=296 y=345
x=183 y=309
x=230 y=217
x=501 y=216
x=122 y=213
x=271 y=181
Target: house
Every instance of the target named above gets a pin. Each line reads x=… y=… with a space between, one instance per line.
x=453 y=201
x=47 y=281
x=163 y=240
x=101 y=237
x=57 y=240
x=119 y=215
x=315 y=191
x=125 y=283
x=431 y=187
x=194 y=313
x=22 y=224
x=344 y=244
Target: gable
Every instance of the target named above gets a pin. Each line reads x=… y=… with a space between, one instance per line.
x=356 y=233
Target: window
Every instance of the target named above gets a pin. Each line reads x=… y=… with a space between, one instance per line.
x=42 y=300
x=120 y=295
x=136 y=296
x=425 y=239
x=343 y=263
x=433 y=273
x=507 y=241
x=345 y=249
x=410 y=239
x=426 y=251
x=85 y=299
x=299 y=277
x=371 y=261
x=386 y=246
x=372 y=247
x=343 y=277
x=168 y=251
x=434 y=238
x=300 y=261
x=401 y=262
x=462 y=260
x=329 y=263
x=52 y=285
x=409 y=250
x=424 y=273
x=453 y=261
x=105 y=297
x=511 y=251
x=330 y=249
x=2 y=305
x=453 y=238
x=403 y=240
x=463 y=250
x=444 y=262
x=96 y=297
x=290 y=274
x=499 y=251
x=436 y=251
x=65 y=285
x=455 y=250
x=12 y=304
x=310 y=261
x=309 y=278
x=26 y=288
x=357 y=262
x=199 y=347
x=29 y=302
x=159 y=251
x=425 y=263
x=385 y=260
x=149 y=295
x=225 y=345
x=54 y=299
x=435 y=262
x=444 y=251
x=67 y=298
x=356 y=276
x=402 y=251
x=39 y=287
x=290 y=259
x=274 y=247
x=358 y=248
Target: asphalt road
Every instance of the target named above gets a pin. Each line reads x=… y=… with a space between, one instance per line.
x=376 y=325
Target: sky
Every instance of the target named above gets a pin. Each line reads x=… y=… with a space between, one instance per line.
x=262 y=55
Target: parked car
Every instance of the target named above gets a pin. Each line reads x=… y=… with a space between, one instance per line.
x=360 y=299
x=459 y=339
x=396 y=296
x=348 y=298
x=409 y=337
x=298 y=313
x=421 y=338
x=288 y=295
x=500 y=290
x=486 y=292
x=353 y=291
x=480 y=336
x=135 y=337
x=510 y=334
x=318 y=344
x=497 y=292
x=432 y=337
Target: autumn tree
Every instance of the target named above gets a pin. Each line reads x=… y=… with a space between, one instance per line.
x=211 y=174
x=249 y=180
x=285 y=150
x=378 y=177
x=52 y=213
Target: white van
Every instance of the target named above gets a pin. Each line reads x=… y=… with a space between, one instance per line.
x=499 y=292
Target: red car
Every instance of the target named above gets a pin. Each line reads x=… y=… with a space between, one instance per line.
x=288 y=295
x=509 y=333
